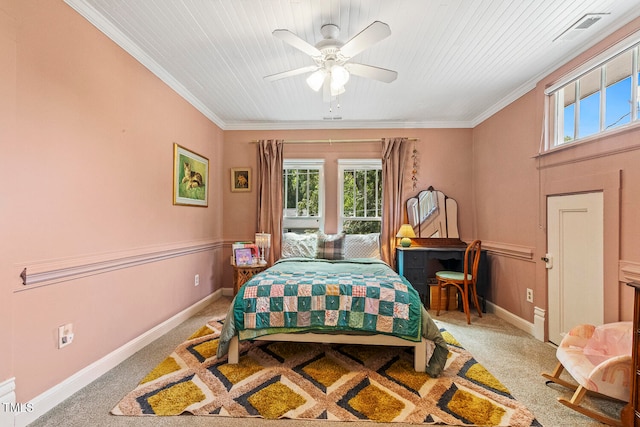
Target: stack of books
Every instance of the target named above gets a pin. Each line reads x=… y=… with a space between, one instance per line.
x=246 y=257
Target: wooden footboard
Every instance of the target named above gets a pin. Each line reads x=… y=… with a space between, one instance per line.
x=420 y=347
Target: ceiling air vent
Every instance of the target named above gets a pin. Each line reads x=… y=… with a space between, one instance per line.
x=580 y=25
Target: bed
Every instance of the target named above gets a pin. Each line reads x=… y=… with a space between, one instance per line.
x=330 y=299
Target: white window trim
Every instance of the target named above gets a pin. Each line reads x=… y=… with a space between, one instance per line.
x=361 y=164
x=315 y=222
x=552 y=129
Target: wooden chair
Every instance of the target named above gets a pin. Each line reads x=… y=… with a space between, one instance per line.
x=599 y=360
x=464 y=281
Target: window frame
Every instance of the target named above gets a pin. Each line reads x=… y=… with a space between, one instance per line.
x=355 y=164
x=554 y=99
x=297 y=223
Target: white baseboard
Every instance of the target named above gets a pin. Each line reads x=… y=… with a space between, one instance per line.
x=509 y=317
x=7 y=400
x=227 y=292
x=46 y=401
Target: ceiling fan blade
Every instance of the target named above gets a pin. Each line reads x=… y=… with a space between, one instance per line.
x=290 y=73
x=369 y=36
x=371 y=72
x=295 y=41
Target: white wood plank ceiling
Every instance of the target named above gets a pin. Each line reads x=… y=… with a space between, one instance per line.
x=458 y=61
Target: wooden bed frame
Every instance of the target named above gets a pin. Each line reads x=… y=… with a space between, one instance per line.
x=420 y=347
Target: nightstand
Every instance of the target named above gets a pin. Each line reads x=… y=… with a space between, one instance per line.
x=243 y=273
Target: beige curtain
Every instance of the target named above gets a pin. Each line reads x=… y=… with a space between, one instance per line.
x=270 y=194
x=394 y=155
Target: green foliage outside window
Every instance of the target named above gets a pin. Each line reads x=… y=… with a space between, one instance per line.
x=362 y=200
x=301 y=188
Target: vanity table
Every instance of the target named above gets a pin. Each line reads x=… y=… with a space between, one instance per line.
x=419 y=264
x=434 y=218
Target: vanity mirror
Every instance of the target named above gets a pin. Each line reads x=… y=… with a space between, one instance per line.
x=432 y=214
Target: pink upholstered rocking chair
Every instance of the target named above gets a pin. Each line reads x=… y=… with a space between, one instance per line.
x=599 y=360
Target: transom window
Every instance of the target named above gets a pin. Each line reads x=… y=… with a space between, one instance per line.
x=360 y=196
x=303 y=186
x=599 y=98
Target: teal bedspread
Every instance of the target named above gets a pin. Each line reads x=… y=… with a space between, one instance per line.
x=346 y=296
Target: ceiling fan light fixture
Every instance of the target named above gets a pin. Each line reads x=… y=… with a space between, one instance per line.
x=339 y=76
x=316 y=79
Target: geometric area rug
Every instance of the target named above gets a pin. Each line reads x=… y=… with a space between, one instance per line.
x=322 y=382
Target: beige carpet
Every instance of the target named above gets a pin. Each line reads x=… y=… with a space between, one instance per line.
x=322 y=382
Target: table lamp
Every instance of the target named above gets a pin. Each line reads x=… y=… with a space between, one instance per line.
x=263 y=241
x=406 y=233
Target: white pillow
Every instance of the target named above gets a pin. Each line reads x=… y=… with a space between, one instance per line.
x=362 y=246
x=299 y=245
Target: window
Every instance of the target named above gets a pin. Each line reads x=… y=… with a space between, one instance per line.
x=600 y=97
x=303 y=197
x=360 y=195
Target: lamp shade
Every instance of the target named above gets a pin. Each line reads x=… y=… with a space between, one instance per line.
x=316 y=79
x=263 y=240
x=406 y=233
x=339 y=76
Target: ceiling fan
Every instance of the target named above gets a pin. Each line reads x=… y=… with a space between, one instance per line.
x=332 y=67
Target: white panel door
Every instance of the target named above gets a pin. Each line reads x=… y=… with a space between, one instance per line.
x=575 y=241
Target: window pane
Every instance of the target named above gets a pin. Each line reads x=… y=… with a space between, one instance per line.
x=569 y=123
x=290 y=177
x=618 y=90
x=347 y=193
x=569 y=111
x=361 y=226
x=638 y=88
x=618 y=104
x=302 y=192
x=589 y=115
x=360 y=193
x=314 y=192
x=303 y=179
x=361 y=197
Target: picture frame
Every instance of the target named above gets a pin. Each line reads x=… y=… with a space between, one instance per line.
x=243 y=256
x=240 y=179
x=190 y=177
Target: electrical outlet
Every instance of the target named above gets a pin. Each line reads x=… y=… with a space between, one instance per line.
x=529 y=295
x=196 y=280
x=65 y=335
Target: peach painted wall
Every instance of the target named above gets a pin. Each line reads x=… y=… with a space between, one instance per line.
x=436 y=149
x=505 y=186
x=8 y=30
x=511 y=184
x=87 y=163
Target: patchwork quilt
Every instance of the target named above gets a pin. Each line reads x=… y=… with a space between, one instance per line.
x=355 y=296
x=328 y=295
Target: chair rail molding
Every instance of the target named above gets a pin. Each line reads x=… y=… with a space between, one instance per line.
x=47 y=273
x=629 y=271
x=508 y=250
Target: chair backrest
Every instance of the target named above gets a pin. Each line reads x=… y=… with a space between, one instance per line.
x=472 y=258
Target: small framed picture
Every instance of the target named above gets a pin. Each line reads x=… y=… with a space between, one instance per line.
x=240 y=179
x=243 y=256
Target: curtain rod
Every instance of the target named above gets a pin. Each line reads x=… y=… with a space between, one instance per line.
x=329 y=141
